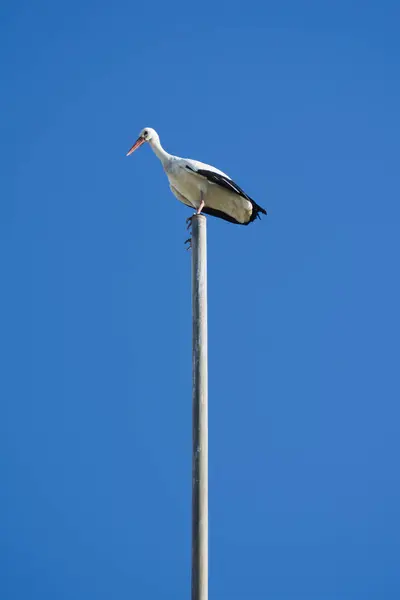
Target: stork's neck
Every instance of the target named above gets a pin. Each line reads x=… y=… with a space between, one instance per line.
x=159 y=151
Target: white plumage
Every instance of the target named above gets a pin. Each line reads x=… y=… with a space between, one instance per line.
x=201 y=186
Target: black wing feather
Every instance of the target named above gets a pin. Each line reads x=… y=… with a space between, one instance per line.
x=231 y=186
x=220 y=180
x=221 y=215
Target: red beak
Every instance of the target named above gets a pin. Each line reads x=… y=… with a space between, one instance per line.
x=136 y=145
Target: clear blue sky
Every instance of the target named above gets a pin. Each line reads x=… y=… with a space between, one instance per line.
x=299 y=102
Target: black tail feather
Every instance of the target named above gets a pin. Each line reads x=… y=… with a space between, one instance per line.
x=256 y=211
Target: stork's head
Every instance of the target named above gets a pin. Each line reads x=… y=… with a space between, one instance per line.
x=146 y=135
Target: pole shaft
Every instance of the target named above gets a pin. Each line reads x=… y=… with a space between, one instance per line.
x=200 y=411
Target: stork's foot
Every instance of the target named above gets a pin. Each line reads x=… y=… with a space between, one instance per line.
x=189 y=228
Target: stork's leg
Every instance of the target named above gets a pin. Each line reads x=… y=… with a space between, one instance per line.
x=201 y=203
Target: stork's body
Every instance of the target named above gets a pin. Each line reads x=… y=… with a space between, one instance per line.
x=201 y=186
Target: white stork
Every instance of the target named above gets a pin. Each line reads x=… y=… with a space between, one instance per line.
x=200 y=186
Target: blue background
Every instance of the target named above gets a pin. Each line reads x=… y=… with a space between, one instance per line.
x=299 y=102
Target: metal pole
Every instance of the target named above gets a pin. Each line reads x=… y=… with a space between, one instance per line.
x=200 y=411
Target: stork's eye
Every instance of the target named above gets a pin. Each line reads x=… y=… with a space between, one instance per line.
x=145 y=133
